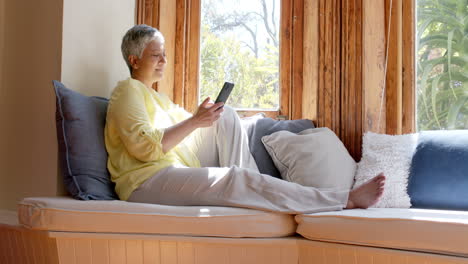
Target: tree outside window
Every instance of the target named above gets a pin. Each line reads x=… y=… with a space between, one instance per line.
x=240 y=43
x=442 y=64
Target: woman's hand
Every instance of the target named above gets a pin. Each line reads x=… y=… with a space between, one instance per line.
x=207 y=113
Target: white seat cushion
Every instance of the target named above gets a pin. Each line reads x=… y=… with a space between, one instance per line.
x=67 y=214
x=435 y=231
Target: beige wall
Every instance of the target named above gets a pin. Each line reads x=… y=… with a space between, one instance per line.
x=31 y=55
x=92 y=32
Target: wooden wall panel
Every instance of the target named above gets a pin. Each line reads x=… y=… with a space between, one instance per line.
x=329 y=65
x=389 y=32
x=179 y=53
x=393 y=14
x=187 y=53
x=374 y=52
x=297 y=59
x=311 y=59
x=328 y=253
x=148 y=13
x=340 y=93
x=82 y=251
x=22 y=246
x=192 y=53
x=167 y=26
x=409 y=70
x=167 y=250
x=400 y=75
x=286 y=47
x=100 y=251
x=351 y=77
x=352 y=73
x=116 y=250
x=140 y=11
x=336 y=73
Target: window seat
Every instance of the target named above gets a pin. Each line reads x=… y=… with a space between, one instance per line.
x=422 y=230
x=63 y=230
x=68 y=214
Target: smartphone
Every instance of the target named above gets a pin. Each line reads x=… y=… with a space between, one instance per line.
x=225 y=92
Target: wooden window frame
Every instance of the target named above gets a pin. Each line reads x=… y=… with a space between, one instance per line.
x=400 y=84
x=147 y=12
x=409 y=67
x=332 y=62
x=291 y=59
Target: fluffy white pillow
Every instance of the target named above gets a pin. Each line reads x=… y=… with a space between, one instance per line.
x=315 y=157
x=392 y=156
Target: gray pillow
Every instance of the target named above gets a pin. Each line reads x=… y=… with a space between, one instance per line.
x=314 y=157
x=268 y=126
x=80 y=122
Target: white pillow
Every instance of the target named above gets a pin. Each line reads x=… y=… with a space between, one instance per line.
x=315 y=157
x=391 y=155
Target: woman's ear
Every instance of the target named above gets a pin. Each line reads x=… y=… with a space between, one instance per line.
x=133 y=61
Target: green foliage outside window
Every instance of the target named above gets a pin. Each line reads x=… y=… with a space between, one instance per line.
x=254 y=68
x=442 y=64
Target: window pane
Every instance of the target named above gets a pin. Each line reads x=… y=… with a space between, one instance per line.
x=240 y=43
x=442 y=64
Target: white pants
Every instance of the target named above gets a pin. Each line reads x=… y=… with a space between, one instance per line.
x=229 y=177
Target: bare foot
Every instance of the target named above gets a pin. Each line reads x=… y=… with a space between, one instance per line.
x=367 y=194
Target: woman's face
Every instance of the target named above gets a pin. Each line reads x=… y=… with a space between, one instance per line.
x=150 y=66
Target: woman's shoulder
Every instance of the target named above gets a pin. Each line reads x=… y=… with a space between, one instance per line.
x=125 y=93
x=129 y=84
x=126 y=88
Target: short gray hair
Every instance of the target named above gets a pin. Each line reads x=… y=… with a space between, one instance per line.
x=136 y=39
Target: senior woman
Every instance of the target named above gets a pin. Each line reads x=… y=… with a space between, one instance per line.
x=159 y=153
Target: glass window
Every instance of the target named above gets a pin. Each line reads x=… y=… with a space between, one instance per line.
x=240 y=44
x=442 y=64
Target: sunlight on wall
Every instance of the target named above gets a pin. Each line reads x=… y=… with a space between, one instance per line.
x=77 y=42
x=92 y=32
x=30 y=52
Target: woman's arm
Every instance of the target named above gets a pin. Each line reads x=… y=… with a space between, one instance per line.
x=205 y=116
x=127 y=111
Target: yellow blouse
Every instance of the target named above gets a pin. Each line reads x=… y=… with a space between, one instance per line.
x=136 y=119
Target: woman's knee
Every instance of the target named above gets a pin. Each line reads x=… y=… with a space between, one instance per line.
x=229 y=110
